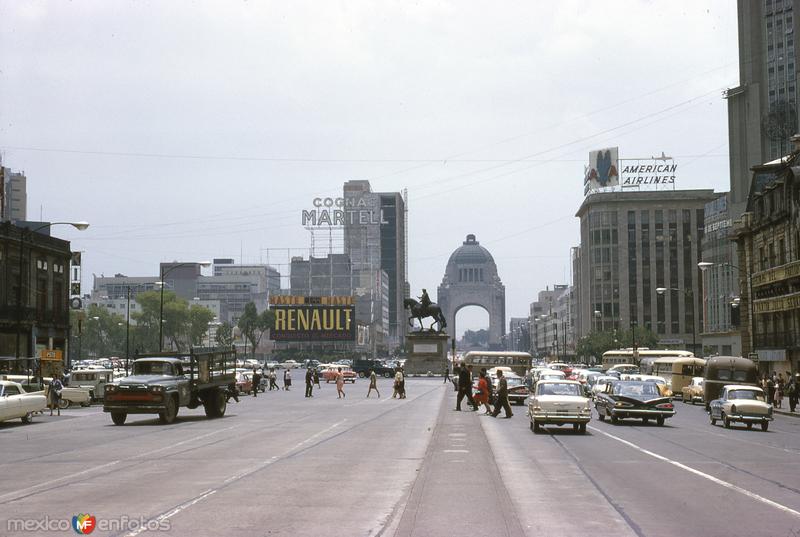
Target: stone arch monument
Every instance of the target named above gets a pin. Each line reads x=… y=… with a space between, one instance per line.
x=471 y=280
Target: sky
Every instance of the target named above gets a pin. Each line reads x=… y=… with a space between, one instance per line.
x=193 y=130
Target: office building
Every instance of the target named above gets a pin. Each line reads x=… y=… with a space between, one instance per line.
x=375 y=240
x=633 y=243
x=762 y=109
x=768 y=242
x=720 y=281
x=13 y=195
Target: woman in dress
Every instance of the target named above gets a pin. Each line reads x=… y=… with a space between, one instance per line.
x=340 y=383
x=482 y=397
x=287 y=379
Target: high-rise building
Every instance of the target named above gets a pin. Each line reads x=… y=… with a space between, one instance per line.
x=638 y=263
x=720 y=280
x=762 y=109
x=13 y=195
x=374 y=240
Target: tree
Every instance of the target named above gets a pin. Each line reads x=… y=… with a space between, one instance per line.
x=199 y=317
x=596 y=343
x=102 y=333
x=225 y=334
x=253 y=325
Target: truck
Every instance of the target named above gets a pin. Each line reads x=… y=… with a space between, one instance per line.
x=162 y=383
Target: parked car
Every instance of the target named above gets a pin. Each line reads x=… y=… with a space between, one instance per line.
x=244 y=382
x=329 y=374
x=15 y=402
x=743 y=404
x=93 y=380
x=693 y=392
x=69 y=395
x=559 y=402
x=633 y=399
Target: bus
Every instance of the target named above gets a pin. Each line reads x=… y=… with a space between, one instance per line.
x=723 y=370
x=678 y=372
x=642 y=357
x=519 y=362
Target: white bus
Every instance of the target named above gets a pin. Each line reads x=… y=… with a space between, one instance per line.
x=642 y=357
x=519 y=362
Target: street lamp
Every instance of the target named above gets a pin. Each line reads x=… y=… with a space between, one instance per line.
x=689 y=295
x=161 y=302
x=80 y=226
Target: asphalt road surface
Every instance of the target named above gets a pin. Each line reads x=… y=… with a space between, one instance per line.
x=281 y=464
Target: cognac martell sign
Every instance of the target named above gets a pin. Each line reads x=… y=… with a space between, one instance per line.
x=342 y=211
x=313 y=318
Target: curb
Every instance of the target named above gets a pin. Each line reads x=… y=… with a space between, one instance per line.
x=786 y=413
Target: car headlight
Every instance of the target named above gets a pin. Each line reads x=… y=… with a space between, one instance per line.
x=157 y=389
x=536 y=408
x=110 y=388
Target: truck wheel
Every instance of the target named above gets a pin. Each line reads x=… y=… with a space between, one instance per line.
x=387 y=375
x=361 y=374
x=171 y=412
x=216 y=404
x=27 y=418
x=119 y=418
x=63 y=403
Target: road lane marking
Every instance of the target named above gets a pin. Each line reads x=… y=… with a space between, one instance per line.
x=16 y=494
x=455 y=451
x=173 y=512
x=704 y=475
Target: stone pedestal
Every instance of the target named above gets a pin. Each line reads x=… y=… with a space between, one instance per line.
x=426 y=352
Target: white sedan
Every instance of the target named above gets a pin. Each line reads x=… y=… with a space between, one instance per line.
x=15 y=402
x=558 y=402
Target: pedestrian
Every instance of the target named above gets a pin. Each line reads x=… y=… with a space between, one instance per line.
x=316 y=378
x=232 y=391
x=779 y=390
x=489 y=385
x=770 y=389
x=482 y=397
x=464 y=388
x=792 y=391
x=446 y=373
x=287 y=379
x=54 y=394
x=340 y=383
x=256 y=382
x=309 y=383
x=456 y=373
x=273 y=379
x=502 y=396
x=398 y=377
x=373 y=383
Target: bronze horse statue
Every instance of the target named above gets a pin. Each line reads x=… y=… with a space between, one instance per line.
x=419 y=312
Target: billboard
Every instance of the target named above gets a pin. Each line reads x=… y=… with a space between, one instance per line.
x=313 y=318
x=603 y=169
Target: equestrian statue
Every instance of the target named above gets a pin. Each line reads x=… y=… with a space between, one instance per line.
x=423 y=309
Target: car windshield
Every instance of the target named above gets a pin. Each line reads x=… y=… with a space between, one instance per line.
x=558 y=388
x=152 y=368
x=746 y=394
x=636 y=388
x=513 y=381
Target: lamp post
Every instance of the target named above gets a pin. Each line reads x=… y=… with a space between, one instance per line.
x=80 y=226
x=690 y=296
x=161 y=300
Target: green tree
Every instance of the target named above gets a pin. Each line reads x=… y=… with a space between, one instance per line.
x=253 y=325
x=596 y=343
x=102 y=333
x=199 y=317
x=225 y=334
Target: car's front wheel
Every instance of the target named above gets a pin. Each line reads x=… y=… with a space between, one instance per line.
x=712 y=418
x=764 y=426
x=63 y=403
x=119 y=418
x=170 y=412
x=582 y=428
x=726 y=421
x=27 y=418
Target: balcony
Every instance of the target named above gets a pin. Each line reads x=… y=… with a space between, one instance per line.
x=778 y=340
x=776 y=274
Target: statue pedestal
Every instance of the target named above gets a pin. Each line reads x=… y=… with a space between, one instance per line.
x=426 y=352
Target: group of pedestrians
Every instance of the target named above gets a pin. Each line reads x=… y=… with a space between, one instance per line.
x=776 y=388
x=486 y=394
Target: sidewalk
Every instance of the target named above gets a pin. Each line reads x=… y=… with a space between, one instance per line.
x=784 y=409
